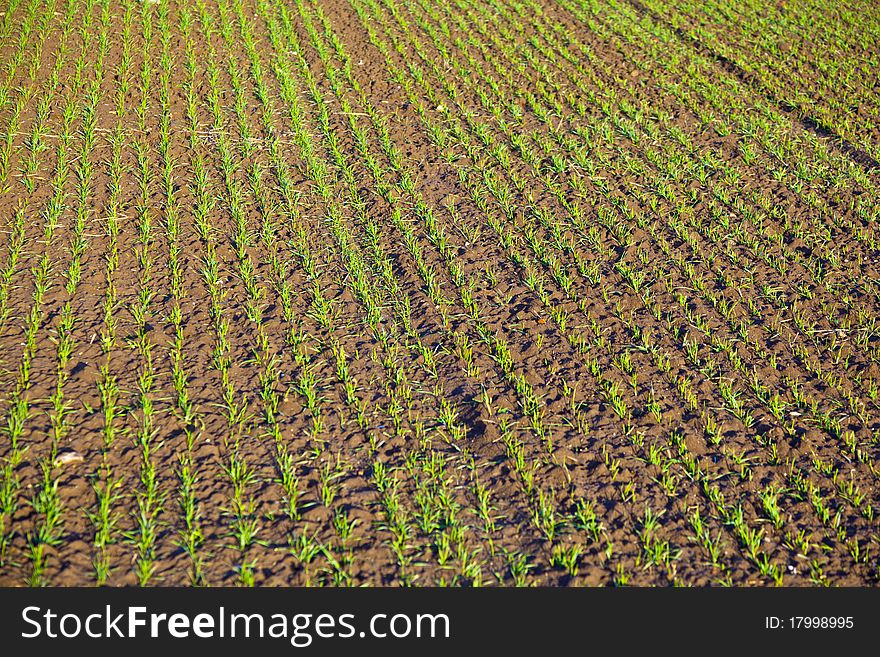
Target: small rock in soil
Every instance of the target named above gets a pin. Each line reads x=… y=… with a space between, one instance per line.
x=68 y=456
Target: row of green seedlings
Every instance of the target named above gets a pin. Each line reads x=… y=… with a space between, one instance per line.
x=26 y=25
x=18 y=53
x=442 y=241
x=191 y=526
x=243 y=519
x=16 y=242
x=9 y=484
x=34 y=140
x=11 y=67
x=83 y=191
x=149 y=498
x=107 y=517
x=190 y=534
x=17 y=227
x=19 y=412
x=13 y=260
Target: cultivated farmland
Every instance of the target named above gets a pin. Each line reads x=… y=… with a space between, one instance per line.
x=439 y=292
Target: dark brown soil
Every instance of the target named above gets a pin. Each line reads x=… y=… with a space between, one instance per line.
x=651 y=316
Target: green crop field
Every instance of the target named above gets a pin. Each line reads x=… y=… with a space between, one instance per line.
x=439 y=292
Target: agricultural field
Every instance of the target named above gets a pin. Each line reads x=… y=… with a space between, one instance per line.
x=439 y=292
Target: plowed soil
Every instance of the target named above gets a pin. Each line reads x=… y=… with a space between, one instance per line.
x=395 y=292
